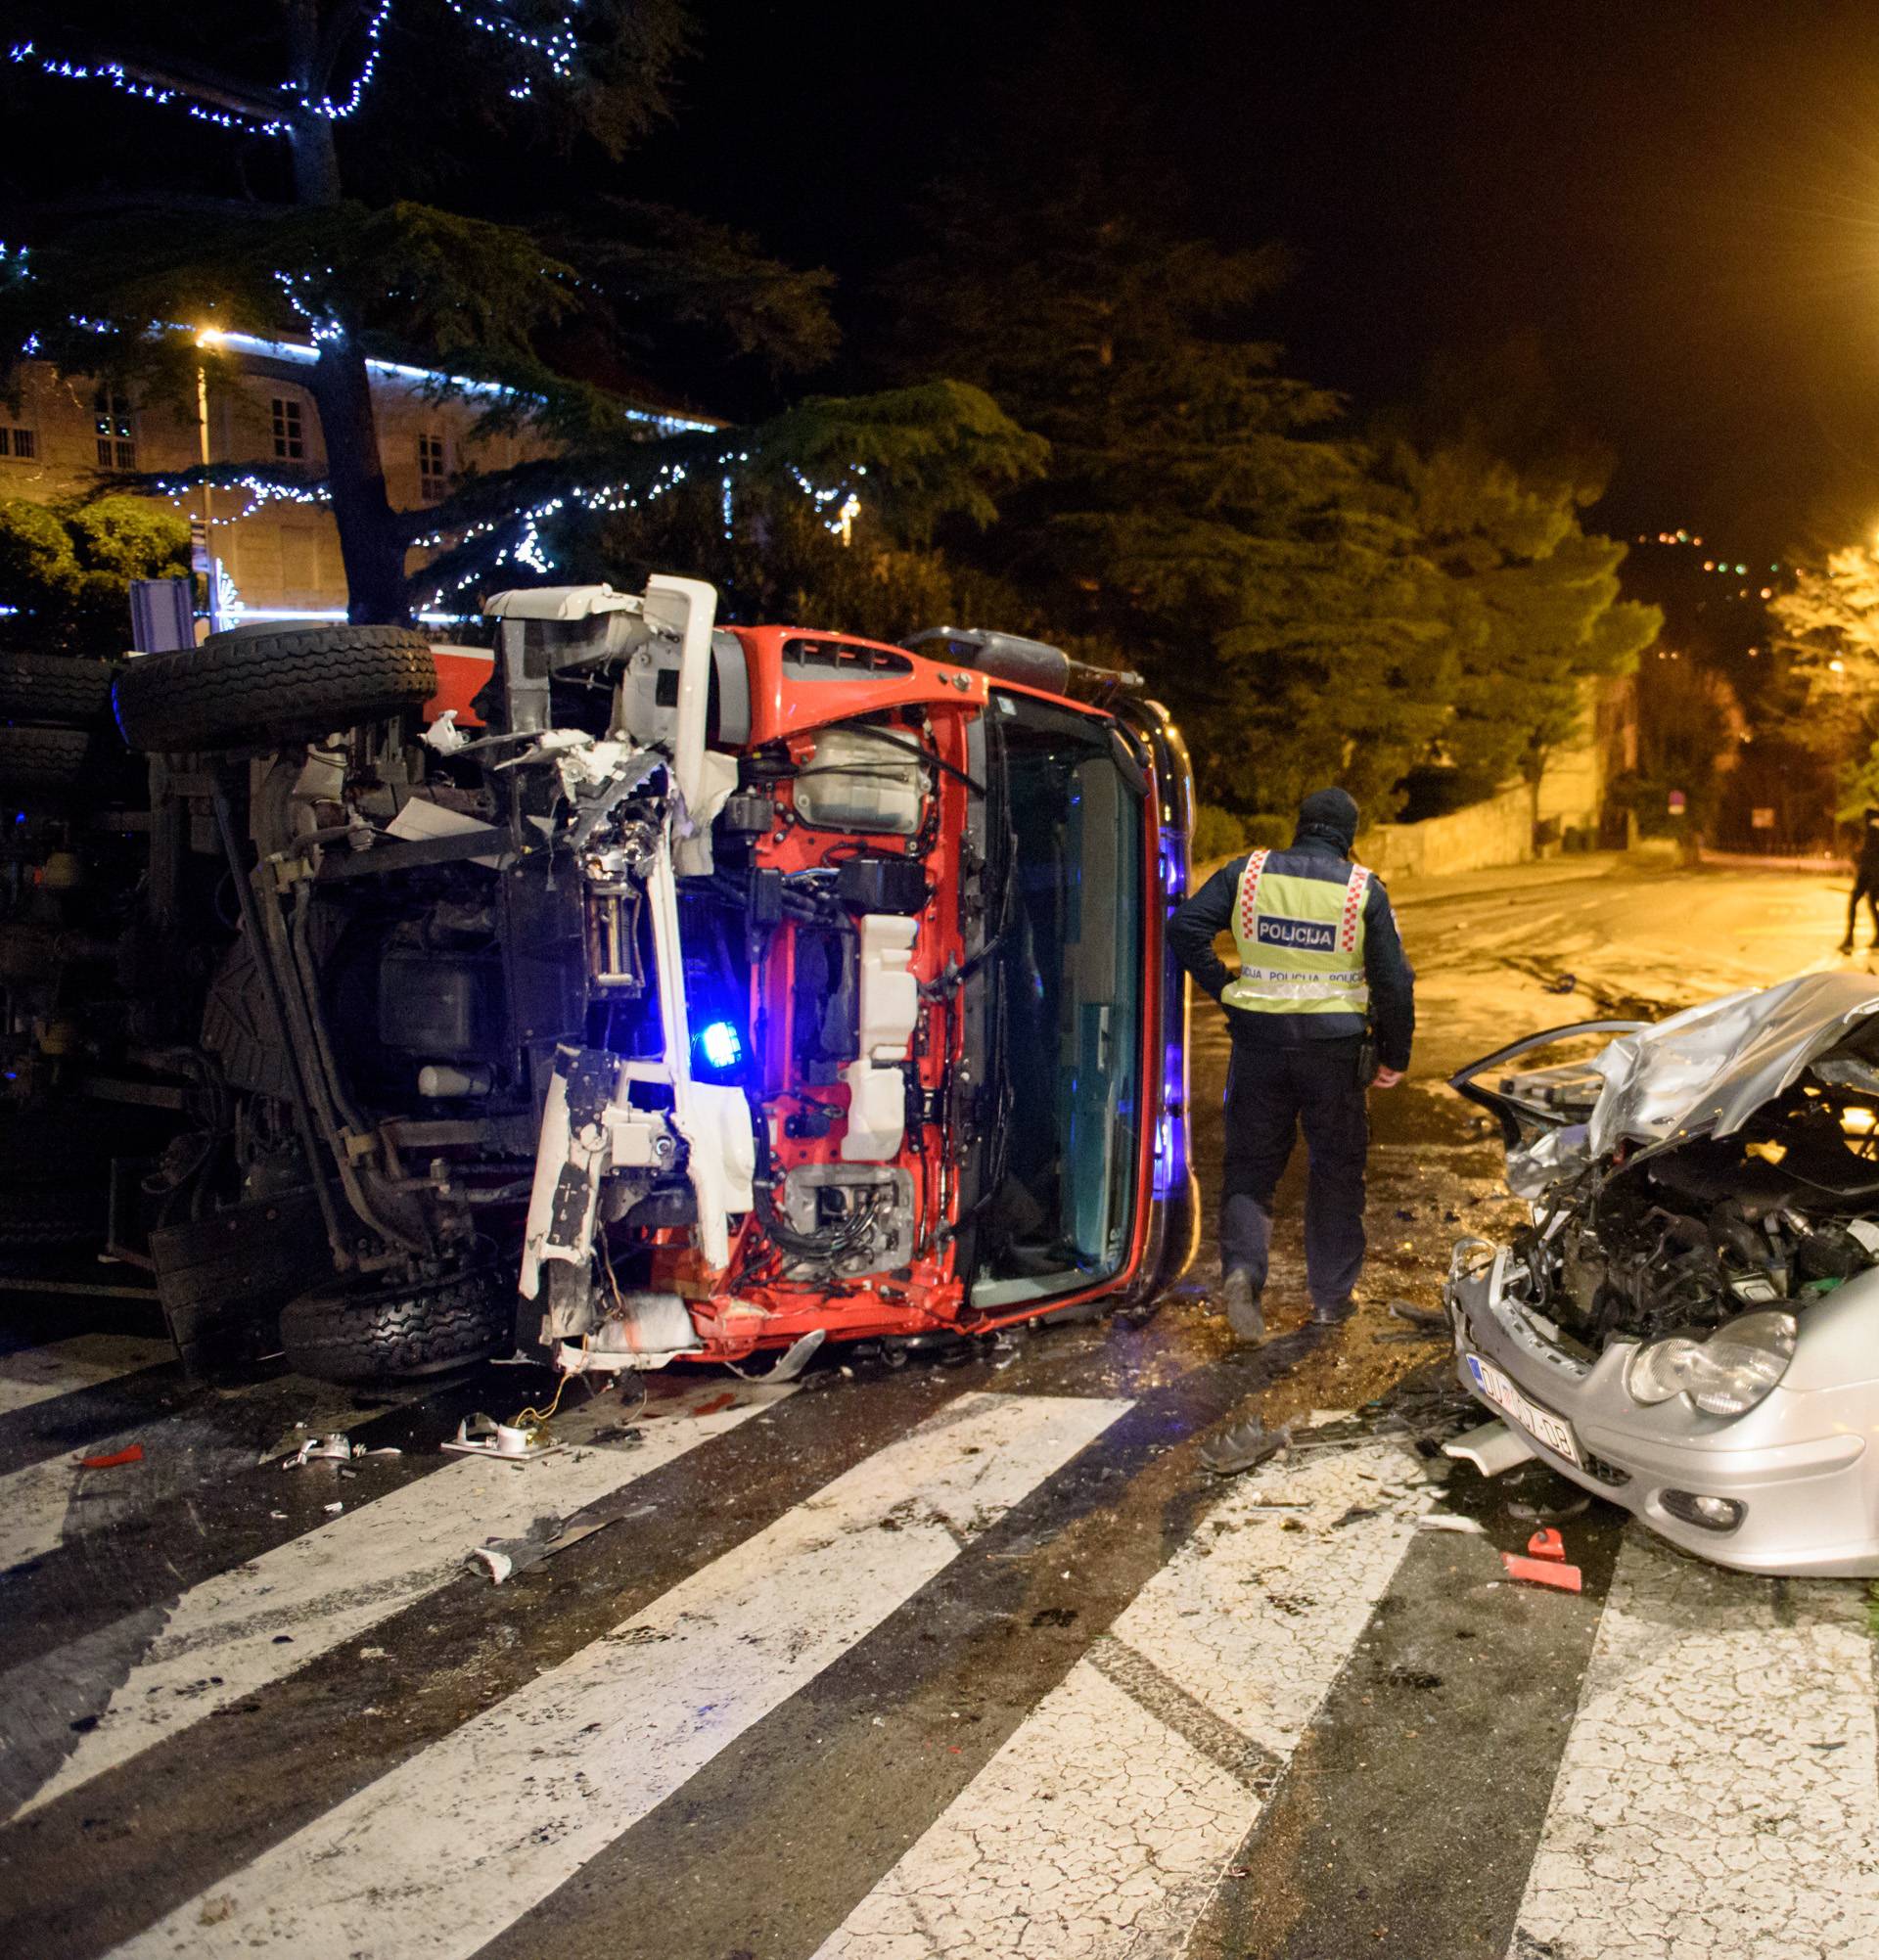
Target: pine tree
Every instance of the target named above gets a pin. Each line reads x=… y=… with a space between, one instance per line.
x=1531 y=604
x=1204 y=518
x=1827 y=639
x=381 y=97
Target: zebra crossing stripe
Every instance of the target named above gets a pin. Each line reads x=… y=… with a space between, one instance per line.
x=1717 y=1793
x=455 y=1845
x=30 y=1375
x=221 y=1642
x=1102 y=1826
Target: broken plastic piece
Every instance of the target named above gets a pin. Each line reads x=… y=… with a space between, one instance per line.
x=133 y=1453
x=1542 y=1571
x=1546 y=1544
x=1446 y=1521
x=794 y=1359
x=483 y=1436
x=503 y=1558
x=1491 y=1448
x=1548 y=1514
x=333 y=1448
x=1429 y=1317
x=1241 y=1447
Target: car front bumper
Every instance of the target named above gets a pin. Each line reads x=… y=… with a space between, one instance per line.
x=1798 y=1463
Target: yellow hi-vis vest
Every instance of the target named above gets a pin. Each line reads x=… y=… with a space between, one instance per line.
x=1301 y=942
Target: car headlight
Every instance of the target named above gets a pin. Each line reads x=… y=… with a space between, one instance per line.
x=1726 y=1374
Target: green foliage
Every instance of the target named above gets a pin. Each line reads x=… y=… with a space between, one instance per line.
x=68 y=573
x=1828 y=635
x=1314 y=608
x=932 y=450
x=1269 y=833
x=781 y=561
x=1217 y=832
x=1202 y=519
x=1529 y=603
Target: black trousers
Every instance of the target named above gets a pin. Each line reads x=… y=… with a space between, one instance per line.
x=1272 y=1091
x=1865 y=884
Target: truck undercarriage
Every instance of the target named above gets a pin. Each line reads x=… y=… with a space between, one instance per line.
x=638 y=988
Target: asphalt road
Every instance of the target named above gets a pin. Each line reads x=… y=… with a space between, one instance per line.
x=963 y=1657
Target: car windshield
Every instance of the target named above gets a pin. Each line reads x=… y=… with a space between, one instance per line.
x=1070 y=972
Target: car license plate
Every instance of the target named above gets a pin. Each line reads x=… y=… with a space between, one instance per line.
x=1551 y=1430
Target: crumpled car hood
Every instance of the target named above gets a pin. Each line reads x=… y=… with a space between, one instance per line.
x=1708 y=1069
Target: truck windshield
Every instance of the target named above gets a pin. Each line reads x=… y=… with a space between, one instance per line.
x=1061 y=1213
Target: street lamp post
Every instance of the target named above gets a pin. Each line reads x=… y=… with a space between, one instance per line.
x=207 y=338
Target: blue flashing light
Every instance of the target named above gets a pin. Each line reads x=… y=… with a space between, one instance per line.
x=717 y=1042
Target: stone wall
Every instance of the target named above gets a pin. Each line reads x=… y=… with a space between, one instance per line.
x=1499 y=831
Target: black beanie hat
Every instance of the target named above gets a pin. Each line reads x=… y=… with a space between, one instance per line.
x=1332 y=813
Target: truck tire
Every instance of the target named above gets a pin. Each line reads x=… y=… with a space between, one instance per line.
x=254 y=686
x=342 y=1336
x=54 y=690
x=40 y=761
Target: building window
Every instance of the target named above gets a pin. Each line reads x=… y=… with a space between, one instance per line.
x=290 y=445
x=116 y=429
x=431 y=473
x=23 y=444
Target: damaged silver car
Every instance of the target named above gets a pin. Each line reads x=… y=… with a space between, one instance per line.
x=1689 y=1325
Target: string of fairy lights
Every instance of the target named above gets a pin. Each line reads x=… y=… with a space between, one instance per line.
x=551 y=52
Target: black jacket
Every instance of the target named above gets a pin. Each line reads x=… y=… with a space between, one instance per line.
x=1392 y=981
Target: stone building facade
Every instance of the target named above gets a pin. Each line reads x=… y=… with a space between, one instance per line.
x=281 y=557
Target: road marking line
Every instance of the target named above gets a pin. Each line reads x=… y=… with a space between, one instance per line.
x=31 y=1375
x=1104 y=1824
x=1718 y=1790
x=435 y=1859
x=342 y=1579
x=37 y=1502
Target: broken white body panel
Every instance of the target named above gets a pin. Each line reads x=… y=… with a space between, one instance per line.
x=890 y=1012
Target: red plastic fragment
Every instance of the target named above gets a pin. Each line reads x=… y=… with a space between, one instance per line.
x=1542 y=1571
x=1546 y=1544
x=134 y=1454
x=716 y=1402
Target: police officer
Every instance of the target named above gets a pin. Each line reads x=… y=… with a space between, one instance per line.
x=1321 y=966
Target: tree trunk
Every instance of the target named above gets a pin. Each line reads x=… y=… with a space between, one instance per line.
x=371 y=539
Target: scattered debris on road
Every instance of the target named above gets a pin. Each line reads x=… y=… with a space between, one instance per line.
x=333 y=1448
x=1241 y=1447
x=503 y=1558
x=1543 y=1572
x=1549 y=1514
x=1448 y=1520
x=1547 y=1544
x=117 y=1460
x=483 y=1436
x=1426 y=1319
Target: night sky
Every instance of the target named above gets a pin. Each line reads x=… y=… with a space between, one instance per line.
x=1679 y=202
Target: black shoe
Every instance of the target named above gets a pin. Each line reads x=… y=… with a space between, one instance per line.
x=1330 y=1316
x=1242 y=1303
